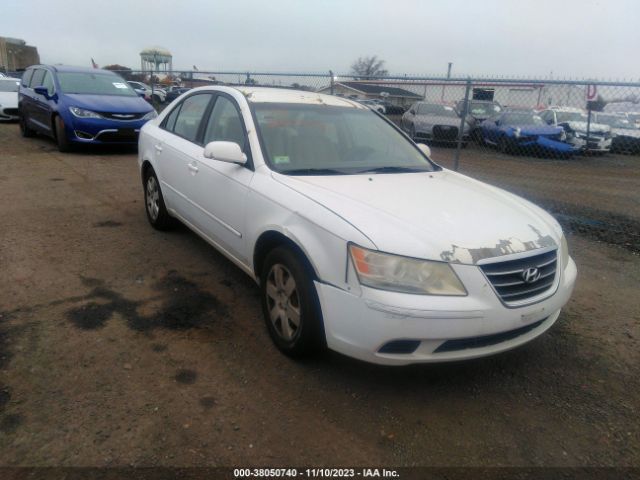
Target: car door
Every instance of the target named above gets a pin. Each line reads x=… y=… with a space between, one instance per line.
x=24 y=95
x=35 y=109
x=176 y=150
x=219 y=188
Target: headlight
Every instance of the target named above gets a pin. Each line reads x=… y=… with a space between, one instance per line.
x=564 y=252
x=563 y=136
x=151 y=115
x=82 y=113
x=403 y=274
x=517 y=132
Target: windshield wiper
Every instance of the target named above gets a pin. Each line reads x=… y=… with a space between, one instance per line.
x=312 y=171
x=394 y=169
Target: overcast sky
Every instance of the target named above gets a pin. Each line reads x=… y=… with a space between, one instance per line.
x=571 y=38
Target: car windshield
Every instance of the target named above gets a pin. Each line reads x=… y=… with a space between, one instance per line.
x=486 y=109
x=301 y=139
x=9 y=85
x=435 y=109
x=521 y=118
x=94 y=84
x=571 y=117
x=615 y=121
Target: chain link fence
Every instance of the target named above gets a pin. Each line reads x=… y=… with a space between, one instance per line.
x=571 y=146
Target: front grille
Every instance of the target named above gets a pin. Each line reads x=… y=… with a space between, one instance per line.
x=11 y=111
x=524 y=278
x=121 y=136
x=445 y=132
x=126 y=117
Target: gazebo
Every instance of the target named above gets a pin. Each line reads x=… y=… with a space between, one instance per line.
x=156 y=59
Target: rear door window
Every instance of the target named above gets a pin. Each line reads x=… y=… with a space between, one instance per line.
x=190 y=116
x=26 y=78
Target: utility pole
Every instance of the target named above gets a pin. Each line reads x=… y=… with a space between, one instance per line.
x=443 y=85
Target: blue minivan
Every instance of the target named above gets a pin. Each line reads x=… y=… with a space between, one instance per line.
x=75 y=105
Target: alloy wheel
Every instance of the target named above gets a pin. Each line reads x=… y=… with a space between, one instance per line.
x=283 y=302
x=153 y=198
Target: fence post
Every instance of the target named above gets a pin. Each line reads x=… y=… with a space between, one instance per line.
x=463 y=119
x=331 y=81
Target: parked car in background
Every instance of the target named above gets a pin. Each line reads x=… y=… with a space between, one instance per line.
x=574 y=121
x=625 y=134
x=75 y=105
x=433 y=122
x=174 y=93
x=157 y=95
x=630 y=109
x=477 y=112
x=372 y=104
x=513 y=131
x=9 y=98
x=341 y=220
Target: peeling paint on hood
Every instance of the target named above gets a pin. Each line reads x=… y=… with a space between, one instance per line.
x=507 y=246
x=437 y=215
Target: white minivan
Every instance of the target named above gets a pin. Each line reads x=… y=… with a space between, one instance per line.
x=358 y=240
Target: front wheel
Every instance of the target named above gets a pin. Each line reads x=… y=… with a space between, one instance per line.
x=25 y=131
x=505 y=146
x=61 y=135
x=290 y=304
x=156 y=210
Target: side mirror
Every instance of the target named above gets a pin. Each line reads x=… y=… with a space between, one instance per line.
x=425 y=149
x=42 y=91
x=412 y=111
x=229 y=152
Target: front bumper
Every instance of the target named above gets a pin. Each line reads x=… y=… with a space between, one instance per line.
x=9 y=114
x=546 y=144
x=440 y=134
x=593 y=144
x=104 y=131
x=359 y=326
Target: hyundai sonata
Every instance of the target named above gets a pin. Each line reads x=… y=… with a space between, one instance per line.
x=358 y=240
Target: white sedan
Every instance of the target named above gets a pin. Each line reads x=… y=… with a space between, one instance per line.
x=9 y=98
x=358 y=240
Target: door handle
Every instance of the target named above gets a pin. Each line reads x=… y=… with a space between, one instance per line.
x=158 y=148
x=192 y=168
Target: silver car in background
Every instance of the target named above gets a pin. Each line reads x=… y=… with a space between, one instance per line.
x=433 y=123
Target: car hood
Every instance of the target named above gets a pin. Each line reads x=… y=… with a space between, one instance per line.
x=109 y=103
x=438 y=120
x=435 y=215
x=534 y=130
x=593 y=128
x=623 y=132
x=9 y=99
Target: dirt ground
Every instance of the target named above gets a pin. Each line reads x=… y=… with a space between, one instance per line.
x=121 y=345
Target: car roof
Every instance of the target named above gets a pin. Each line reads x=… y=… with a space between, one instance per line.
x=566 y=109
x=71 y=68
x=285 y=95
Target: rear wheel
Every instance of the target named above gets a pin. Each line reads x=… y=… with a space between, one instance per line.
x=61 y=135
x=290 y=304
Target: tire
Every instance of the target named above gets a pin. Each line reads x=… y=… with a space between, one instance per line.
x=154 y=205
x=504 y=146
x=476 y=136
x=25 y=131
x=61 y=135
x=291 y=310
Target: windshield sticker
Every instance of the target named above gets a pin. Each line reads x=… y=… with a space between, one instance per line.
x=119 y=85
x=281 y=159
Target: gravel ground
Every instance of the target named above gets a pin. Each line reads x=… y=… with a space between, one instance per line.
x=121 y=345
